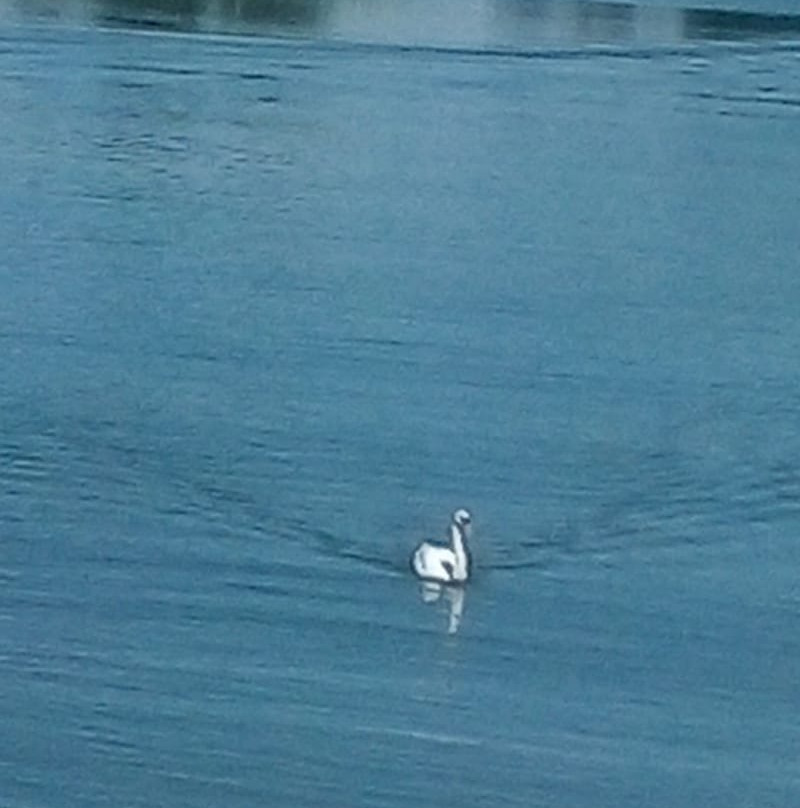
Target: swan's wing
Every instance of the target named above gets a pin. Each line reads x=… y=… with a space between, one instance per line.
x=421 y=558
x=433 y=562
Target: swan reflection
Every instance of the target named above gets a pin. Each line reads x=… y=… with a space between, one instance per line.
x=431 y=592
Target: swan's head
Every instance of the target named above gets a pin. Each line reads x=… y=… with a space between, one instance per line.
x=462 y=520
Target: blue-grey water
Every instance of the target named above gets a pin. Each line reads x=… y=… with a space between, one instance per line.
x=271 y=306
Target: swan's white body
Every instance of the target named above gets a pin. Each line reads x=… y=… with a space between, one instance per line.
x=447 y=565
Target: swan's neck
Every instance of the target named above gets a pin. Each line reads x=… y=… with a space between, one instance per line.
x=459 y=544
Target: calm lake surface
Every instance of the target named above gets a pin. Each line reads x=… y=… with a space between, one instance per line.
x=272 y=306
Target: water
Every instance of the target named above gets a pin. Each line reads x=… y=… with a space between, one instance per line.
x=273 y=306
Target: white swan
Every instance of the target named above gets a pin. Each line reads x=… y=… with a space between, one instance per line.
x=447 y=565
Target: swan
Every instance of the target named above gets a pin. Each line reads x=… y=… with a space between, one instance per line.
x=447 y=565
